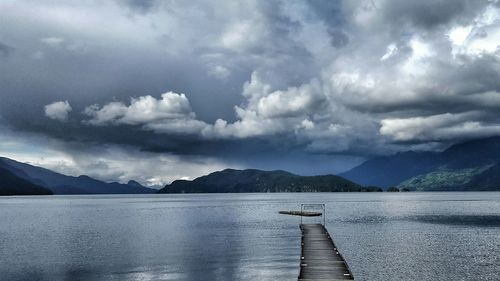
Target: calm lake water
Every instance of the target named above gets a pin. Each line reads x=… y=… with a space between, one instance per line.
x=407 y=236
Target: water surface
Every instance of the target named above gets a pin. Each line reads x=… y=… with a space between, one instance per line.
x=407 y=236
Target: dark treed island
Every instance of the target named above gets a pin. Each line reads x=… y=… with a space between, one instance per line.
x=252 y=180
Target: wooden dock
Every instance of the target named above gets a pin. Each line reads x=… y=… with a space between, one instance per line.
x=320 y=258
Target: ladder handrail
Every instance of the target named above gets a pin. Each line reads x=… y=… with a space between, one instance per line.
x=321 y=205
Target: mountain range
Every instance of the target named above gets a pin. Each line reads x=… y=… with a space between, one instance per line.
x=470 y=166
x=252 y=180
x=20 y=178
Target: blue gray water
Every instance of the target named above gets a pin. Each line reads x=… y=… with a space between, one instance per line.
x=406 y=236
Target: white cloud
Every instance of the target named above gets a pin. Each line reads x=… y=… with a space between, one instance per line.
x=391 y=50
x=106 y=114
x=148 y=109
x=306 y=124
x=482 y=36
x=269 y=112
x=172 y=113
x=293 y=102
x=58 y=110
x=445 y=126
x=249 y=125
x=458 y=34
x=418 y=62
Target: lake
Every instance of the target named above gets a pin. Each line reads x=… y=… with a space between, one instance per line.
x=383 y=236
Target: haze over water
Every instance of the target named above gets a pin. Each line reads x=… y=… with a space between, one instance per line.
x=407 y=236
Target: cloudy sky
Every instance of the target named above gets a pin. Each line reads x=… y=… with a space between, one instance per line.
x=159 y=90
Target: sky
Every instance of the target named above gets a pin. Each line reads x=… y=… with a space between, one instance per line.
x=161 y=90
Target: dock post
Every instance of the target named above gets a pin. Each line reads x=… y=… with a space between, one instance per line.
x=305 y=207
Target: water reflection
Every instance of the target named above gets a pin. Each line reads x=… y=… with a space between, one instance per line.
x=462 y=220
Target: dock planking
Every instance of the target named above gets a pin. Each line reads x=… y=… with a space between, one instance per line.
x=320 y=258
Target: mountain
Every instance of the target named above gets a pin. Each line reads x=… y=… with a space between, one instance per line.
x=10 y=184
x=389 y=171
x=62 y=184
x=468 y=166
x=251 y=180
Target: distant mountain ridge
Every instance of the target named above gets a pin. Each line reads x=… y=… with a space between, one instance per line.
x=251 y=180
x=62 y=184
x=469 y=166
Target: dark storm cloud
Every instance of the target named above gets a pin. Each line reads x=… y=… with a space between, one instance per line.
x=339 y=38
x=429 y=14
x=140 y=5
x=330 y=12
x=5 y=50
